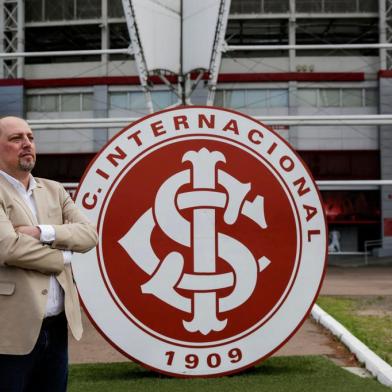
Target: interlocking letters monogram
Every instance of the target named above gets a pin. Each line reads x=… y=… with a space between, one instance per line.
x=167 y=275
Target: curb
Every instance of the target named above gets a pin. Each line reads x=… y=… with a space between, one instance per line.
x=373 y=363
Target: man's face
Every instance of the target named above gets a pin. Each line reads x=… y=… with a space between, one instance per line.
x=17 y=148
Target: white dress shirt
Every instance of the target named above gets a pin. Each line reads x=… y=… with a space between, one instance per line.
x=55 y=303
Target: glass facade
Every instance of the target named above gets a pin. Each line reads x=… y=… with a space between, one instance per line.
x=66 y=102
x=252 y=98
x=48 y=10
x=259 y=6
x=136 y=100
x=115 y=9
x=305 y=6
x=57 y=10
x=262 y=30
x=333 y=97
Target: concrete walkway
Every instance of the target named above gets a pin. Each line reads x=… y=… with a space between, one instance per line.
x=311 y=339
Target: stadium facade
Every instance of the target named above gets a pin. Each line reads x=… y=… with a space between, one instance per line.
x=257 y=82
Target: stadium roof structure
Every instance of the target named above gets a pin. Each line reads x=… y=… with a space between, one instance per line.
x=177 y=37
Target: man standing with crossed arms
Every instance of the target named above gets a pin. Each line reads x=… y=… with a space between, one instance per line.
x=40 y=227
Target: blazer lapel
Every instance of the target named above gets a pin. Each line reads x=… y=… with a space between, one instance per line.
x=26 y=209
x=40 y=200
x=4 y=183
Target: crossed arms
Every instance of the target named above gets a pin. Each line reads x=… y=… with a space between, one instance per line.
x=21 y=247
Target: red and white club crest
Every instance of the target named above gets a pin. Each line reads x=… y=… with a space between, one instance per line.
x=212 y=241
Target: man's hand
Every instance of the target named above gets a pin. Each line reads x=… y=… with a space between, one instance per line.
x=32 y=231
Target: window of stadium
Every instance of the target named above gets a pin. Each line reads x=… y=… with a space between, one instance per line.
x=334 y=97
x=73 y=102
x=252 y=98
x=51 y=10
x=136 y=100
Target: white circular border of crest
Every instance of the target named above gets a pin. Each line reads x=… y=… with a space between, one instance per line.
x=262 y=342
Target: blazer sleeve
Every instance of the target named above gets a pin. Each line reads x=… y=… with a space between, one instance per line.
x=77 y=233
x=23 y=251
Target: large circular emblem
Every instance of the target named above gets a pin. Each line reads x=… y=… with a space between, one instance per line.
x=212 y=241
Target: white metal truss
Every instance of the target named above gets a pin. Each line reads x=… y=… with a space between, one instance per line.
x=219 y=45
x=11 y=37
x=137 y=50
x=147 y=66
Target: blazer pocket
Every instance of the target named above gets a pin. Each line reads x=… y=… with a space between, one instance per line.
x=7 y=288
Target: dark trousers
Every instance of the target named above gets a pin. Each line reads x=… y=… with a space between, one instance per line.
x=45 y=369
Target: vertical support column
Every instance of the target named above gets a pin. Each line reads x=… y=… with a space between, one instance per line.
x=104 y=37
x=293 y=111
x=292 y=28
x=385 y=131
x=382 y=28
x=101 y=101
x=387 y=15
x=386 y=168
x=2 y=62
x=20 y=37
x=12 y=36
x=12 y=41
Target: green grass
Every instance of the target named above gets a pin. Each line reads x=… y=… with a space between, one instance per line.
x=367 y=318
x=280 y=374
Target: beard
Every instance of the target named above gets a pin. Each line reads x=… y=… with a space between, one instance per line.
x=26 y=165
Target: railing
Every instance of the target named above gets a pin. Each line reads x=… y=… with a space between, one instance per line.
x=353 y=253
x=229 y=47
x=259 y=6
x=336 y=6
x=119 y=123
x=303 y=6
x=371 y=244
x=71 y=188
x=309 y=47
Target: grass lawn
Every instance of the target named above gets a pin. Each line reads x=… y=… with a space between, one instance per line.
x=278 y=374
x=368 y=318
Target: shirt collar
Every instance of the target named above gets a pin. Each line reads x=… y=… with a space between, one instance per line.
x=18 y=185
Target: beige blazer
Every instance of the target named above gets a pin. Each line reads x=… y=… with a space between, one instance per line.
x=26 y=264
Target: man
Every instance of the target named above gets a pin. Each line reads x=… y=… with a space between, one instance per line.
x=40 y=227
x=334 y=237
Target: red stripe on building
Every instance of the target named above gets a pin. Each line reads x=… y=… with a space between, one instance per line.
x=79 y=82
x=293 y=76
x=93 y=81
x=11 y=82
x=223 y=78
x=384 y=73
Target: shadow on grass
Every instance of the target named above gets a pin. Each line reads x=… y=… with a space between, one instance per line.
x=133 y=371
x=280 y=374
x=115 y=371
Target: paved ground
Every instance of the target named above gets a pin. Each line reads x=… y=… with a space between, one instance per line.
x=358 y=281
x=311 y=339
